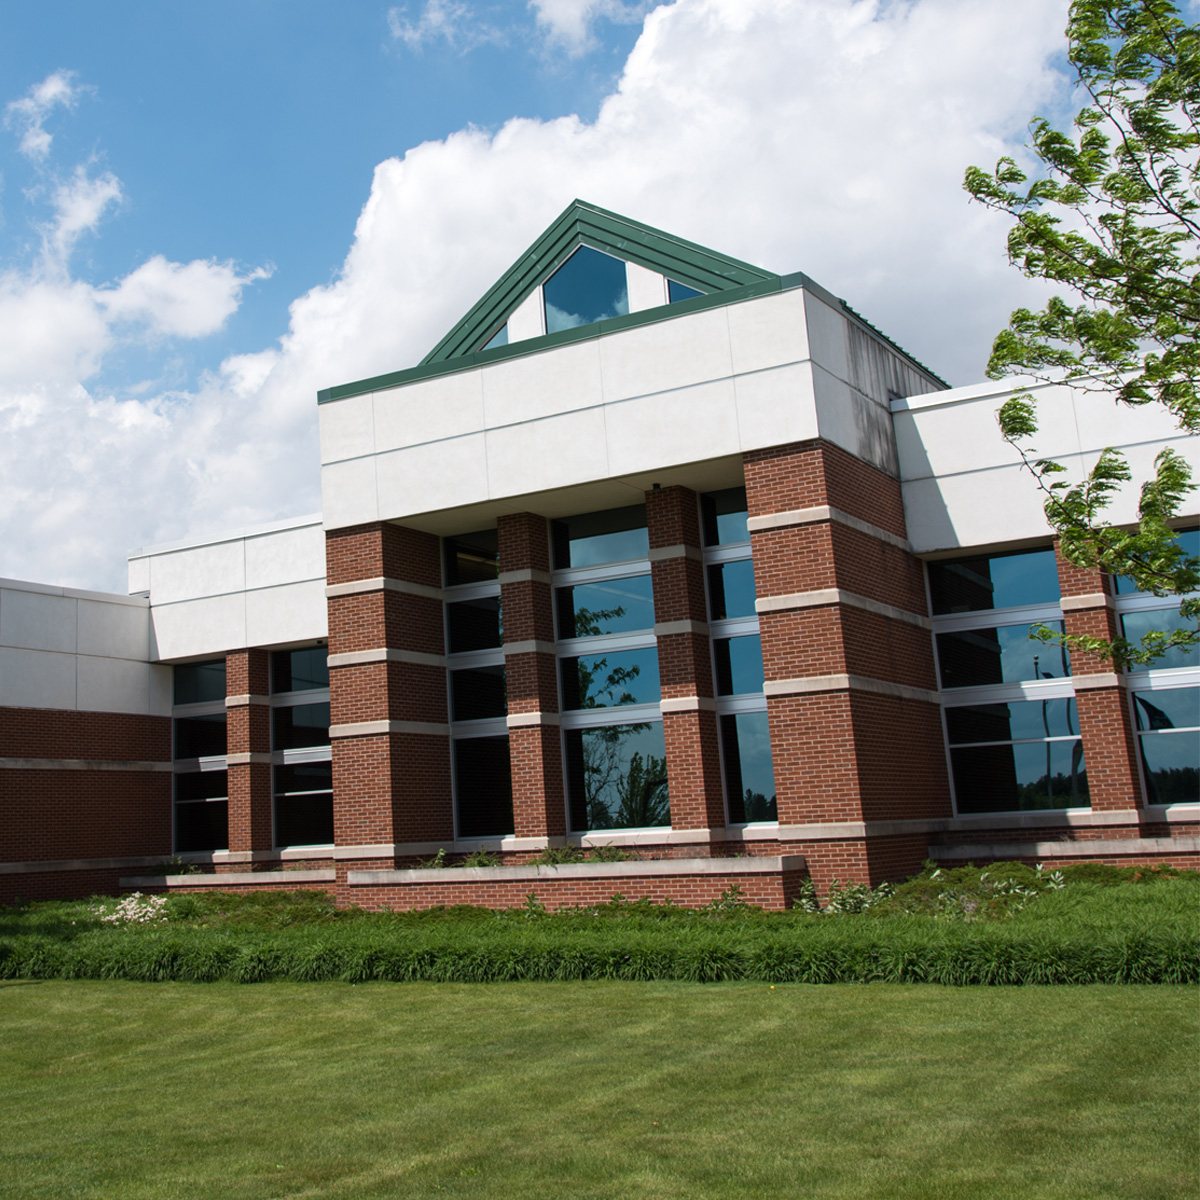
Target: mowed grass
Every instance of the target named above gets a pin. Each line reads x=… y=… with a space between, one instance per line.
x=605 y=1089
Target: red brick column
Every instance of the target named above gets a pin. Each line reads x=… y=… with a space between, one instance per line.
x=684 y=660
x=387 y=686
x=534 y=737
x=1105 y=722
x=248 y=749
x=847 y=654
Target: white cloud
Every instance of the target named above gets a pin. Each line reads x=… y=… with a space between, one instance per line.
x=568 y=23
x=828 y=136
x=457 y=24
x=79 y=205
x=28 y=114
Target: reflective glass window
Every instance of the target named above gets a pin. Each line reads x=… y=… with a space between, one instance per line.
x=1187 y=539
x=614 y=606
x=483 y=787
x=749 y=775
x=1137 y=624
x=1021 y=720
x=731 y=590
x=615 y=535
x=1025 y=775
x=589 y=286
x=301 y=725
x=472 y=557
x=299 y=670
x=474 y=625
x=1167 y=708
x=617 y=777
x=680 y=291
x=724 y=516
x=202 y=826
x=739 y=665
x=610 y=680
x=197 y=682
x=477 y=693
x=304 y=804
x=1006 y=654
x=993 y=581
x=499 y=338
x=1172 y=764
x=200 y=737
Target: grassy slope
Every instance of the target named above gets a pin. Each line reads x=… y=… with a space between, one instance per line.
x=595 y=1090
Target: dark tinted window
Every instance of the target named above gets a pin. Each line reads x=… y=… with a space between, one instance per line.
x=474 y=625
x=731 y=590
x=617 y=777
x=301 y=725
x=472 y=557
x=202 y=826
x=680 y=291
x=724 y=515
x=993 y=581
x=1028 y=775
x=616 y=535
x=304 y=804
x=749 y=775
x=299 y=670
x=477 y=693
x=739 y=665
x=200 y=737
x=483 y=787
x=610 y=680
x=197 y=682
x=1136 y=625
x=1006 y=654
x=1168 y=708
x=589 y=286
x=614 y=606
x=1017 y=721
x=1172 y=765
x=201 y=785
x=1187 y=539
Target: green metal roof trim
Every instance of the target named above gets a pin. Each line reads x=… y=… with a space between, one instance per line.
x=722 y=279
x=585 y=224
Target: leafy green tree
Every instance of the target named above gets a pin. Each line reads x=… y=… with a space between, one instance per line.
x=1113 y=216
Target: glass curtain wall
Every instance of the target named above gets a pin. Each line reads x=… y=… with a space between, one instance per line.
x=737 y=659
x=201 y=778
x=1011 y=727
x=476 y=686
x=301 y=766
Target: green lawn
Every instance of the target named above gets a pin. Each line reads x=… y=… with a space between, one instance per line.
x=608 y=1089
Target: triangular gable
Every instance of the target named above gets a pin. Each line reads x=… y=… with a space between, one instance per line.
x=584 y=224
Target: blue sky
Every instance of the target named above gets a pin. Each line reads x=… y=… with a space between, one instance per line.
x=209 y=212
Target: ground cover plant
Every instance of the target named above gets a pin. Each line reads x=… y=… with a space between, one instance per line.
x=1006 y=924
x=610 y=1089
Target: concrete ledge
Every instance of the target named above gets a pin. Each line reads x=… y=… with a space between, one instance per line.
x=1092 y=848
x=531 y=872
x=229 y=879
x=79 y=764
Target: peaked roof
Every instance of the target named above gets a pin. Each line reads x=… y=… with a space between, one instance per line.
x=582 y=224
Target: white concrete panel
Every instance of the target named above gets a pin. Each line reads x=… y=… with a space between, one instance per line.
x=447 y=406
x=1124 y=507
x=672 y=427
x=139 y=575
x=114 y=630
x=541 y=385
x=37 y=679
x=768 y=332
x=295 y=612
x=112 y=685
x=774 y=407
x=645 y=288
x=289 y=556
x=348 y=493
x=1102 y=421
x=438 y=475
x=552 y=453
x=850 y=420
x=346 y=428
x=36 y=621
x=528 y=319
x=200 y=571
x=161 y=686
x=200 y=627
x=666 y=355
x=826 y=336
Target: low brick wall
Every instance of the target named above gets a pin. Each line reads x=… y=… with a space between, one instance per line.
x=770 y=882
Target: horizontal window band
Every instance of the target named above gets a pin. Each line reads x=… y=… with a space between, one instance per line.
x=525 y=575
x=670 y=628
x=531 y=646
x=245 y=758
x=358 y=587
x=521 y=720
x=847 y=683
x=821 y=597
x=80 y=764
x=678 y=704
x=817 y=514
x=240 y=701
x=372 y=728
x=1091 y=600
x=663 y=553
x=358 y=658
